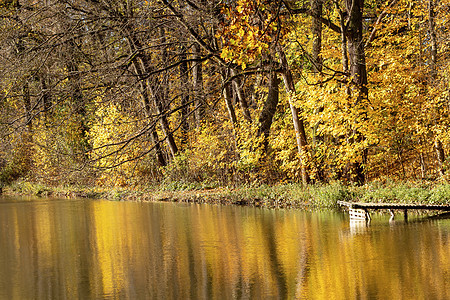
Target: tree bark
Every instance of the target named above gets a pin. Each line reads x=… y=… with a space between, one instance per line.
x=240 y=95
x=316 y=29
x=228 y=95
x=297 y=121
x=27 y=135
x=440 y=155
x=75 y=93
x=158 y=90
x=46 y=100
x=197 y=76
x=144 y=67
x=145 y=88
x=358 y=74
x=423 y=167
x=161 y=111
x=184 y=85
x=269 y=109
x=77 y=100
x=344 y=53
x=433 y=38
x=256 y=90
x=355 y=46
x=147 y=112
x=27 y=106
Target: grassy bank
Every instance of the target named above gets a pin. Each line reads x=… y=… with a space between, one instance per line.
x=282 y=196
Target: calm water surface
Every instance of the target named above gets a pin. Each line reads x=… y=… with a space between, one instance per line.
x=89 y=249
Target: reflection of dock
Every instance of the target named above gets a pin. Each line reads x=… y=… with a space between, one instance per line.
x=358 y=210
x=359 y=226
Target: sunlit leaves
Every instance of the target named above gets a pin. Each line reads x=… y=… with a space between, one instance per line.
x=405 y=112
x=244 y=35
x=109 y=132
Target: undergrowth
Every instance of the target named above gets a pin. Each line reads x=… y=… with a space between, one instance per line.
x=282 y=195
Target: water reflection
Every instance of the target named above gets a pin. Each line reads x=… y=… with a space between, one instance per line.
x=99 y=249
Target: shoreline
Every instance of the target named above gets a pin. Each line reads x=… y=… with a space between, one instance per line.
x=293 y=196
x=216 y=196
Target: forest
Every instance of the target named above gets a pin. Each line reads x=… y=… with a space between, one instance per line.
x=128 y=92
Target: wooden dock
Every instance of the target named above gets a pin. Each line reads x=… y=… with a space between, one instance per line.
x=360 y=211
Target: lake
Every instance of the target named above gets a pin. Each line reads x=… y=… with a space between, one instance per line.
x=96 y=249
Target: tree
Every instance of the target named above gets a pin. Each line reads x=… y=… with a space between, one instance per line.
x=119 y=91
x=440 y=155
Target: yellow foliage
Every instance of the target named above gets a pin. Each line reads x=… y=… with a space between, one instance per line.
x=116 y=150
x=243 y=40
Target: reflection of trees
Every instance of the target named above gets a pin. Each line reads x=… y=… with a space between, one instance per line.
x=171 y=251
x=273 y=255
x=380 y=262
x=42 y=253
x=304 y=261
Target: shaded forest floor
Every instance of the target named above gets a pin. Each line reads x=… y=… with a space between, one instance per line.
x=276 y=196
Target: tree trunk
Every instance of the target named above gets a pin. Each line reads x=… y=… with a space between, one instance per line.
x=45 y=97
x=144 y=67
x=344 y=53
x=297 y=121
x=77 y=101
x=161 y=111
x=433 y=39
x=240 y=95
x=197 y=76
x=316 y=29
x=358 y=74
x=184 y=85
x=423 y=166
x=27 y=135
x=159 y=152
x=228 y=95
x=147 y=112
x=256 y=90
x=269 y=109
x=27 y=106
x=440 y=156
x=356 y=46
x=144 y=90
x=431 y=22
x=158 y=90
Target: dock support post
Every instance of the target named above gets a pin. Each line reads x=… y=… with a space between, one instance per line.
x=392 y=215
x=405 y=213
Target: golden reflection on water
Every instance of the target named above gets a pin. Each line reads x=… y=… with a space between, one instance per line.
x=98 y=249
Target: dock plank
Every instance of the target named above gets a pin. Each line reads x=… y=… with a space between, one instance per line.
x=368 y=205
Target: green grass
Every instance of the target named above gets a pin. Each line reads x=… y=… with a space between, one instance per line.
x=407 y=193
x=323 y=196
